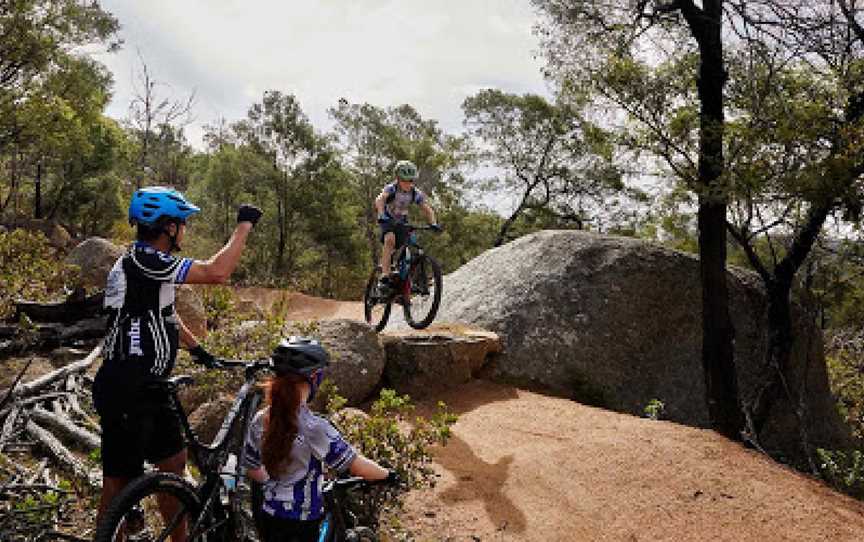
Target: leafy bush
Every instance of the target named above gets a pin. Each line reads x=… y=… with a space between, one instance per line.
x=845 y=363
x=843 y=470
x=28 y=518
x=30 y=268
x=654 y=409
x=386 y=436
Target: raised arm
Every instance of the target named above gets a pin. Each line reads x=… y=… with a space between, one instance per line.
x=217 y=269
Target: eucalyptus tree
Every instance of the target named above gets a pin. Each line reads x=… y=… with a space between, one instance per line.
x=628 y=54
x=278 y=128
x=34 y=36
x=372 y=139
x=553 y=159
x=798 y=150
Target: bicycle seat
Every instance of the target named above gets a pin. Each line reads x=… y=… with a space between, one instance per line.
x=174 y=383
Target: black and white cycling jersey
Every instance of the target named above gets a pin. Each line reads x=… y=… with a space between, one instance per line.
x=143 y=327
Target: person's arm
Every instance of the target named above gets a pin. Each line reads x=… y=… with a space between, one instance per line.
x=217 y=269
x=366 y=468
x=428 y=212
x=187 y=339
x=380 y=202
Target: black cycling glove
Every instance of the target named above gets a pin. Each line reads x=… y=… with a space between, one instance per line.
x=249 y=213
x=436 y=227
x=393 y=478
x=203 y=357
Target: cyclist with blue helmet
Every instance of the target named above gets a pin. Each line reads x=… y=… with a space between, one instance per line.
x=144 y=333
x=287 y=447
x=392 y=205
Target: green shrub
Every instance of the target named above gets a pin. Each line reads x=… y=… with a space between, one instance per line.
x=31 y=269
x=386 y=436
x=654 y=409
x=843 y=470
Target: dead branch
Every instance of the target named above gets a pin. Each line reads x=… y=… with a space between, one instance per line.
x=34 y=386
x=66 y=428
x=61 y=454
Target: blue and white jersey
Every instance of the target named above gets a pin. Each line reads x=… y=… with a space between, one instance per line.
x=139 y=293
x=296 y=493
x=398 y=202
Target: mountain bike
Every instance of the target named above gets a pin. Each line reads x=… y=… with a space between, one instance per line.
x=415 y=284
x=215 y=508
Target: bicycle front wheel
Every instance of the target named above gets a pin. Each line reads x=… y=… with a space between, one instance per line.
x=426 y=283
x=151 y=508
x=376 y=304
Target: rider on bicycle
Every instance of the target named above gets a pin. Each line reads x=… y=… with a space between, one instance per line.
x=392 y=206
x=144 y=333
x=287 y=447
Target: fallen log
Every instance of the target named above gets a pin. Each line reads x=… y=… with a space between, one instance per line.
x=50 y=335
x=61 y=454
x=35 y=386
x=74 y=308
x=65 y=427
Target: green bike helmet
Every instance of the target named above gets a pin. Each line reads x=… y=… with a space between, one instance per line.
x=405 y=170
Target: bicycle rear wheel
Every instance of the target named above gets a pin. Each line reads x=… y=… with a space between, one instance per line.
x=426 y=283
x=376 y=308
x=135 y=515
x=360 y=534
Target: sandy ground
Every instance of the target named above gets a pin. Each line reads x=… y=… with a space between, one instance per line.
x=523 y=466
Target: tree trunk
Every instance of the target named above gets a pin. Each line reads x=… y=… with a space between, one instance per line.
x=779 y=352
x=717 y=333
x=37 y=192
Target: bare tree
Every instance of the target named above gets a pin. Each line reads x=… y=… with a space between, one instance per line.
x=148 y=112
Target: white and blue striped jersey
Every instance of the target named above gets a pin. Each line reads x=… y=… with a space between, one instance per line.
x=143 y=327
x=296 y=493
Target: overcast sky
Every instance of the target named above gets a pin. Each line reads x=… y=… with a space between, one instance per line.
x=430 y=54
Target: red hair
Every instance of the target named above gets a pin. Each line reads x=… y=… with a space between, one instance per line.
x=283 y=396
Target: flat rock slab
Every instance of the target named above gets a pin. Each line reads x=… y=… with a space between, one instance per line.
x=422 y=363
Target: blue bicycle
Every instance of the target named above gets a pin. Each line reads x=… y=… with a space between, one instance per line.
x=340 y=524
x=415 y=284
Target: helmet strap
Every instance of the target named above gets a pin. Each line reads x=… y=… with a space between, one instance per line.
x=173 y=238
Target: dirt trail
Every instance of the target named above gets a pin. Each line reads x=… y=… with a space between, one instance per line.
x=523 y=466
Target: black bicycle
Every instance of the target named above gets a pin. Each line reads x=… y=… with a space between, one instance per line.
x=415 y=284
x=218 y=507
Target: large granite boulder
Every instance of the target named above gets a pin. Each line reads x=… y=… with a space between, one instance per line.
x=356 y=355
x=190 y=307
x=616 y=322
x=95 y=256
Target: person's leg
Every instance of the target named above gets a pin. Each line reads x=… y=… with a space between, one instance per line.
x=387 y=252
x=121 y=456
x=168 y=506
x=111 y=486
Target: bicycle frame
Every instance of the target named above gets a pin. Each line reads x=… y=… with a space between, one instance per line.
x=210 y=458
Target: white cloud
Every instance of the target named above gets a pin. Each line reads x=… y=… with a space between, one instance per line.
x=386 y=52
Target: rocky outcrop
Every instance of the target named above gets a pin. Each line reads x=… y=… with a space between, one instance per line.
x=423 y=364
x=356 y=355
x=95 y=256
x=617 y=322
x=190 y=307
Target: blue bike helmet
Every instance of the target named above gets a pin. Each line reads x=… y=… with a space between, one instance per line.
x=150 y=204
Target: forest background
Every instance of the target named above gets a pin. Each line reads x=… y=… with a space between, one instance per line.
x=677 y=122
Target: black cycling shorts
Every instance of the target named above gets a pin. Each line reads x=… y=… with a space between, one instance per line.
x=150 y=433
x=398 y=229
x=273 y=529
